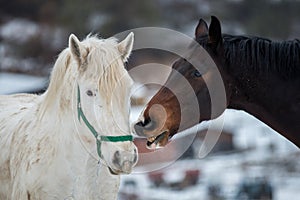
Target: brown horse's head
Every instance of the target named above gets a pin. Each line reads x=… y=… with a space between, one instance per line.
x=194 y=90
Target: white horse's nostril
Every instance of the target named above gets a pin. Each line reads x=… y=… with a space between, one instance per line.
x=117 y=154
x=117 y=159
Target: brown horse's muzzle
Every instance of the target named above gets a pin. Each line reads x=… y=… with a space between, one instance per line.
x=159 y=120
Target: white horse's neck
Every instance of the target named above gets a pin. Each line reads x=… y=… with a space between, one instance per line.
x=96 y=181
x=101 y=182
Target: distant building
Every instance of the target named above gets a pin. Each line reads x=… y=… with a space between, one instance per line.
x=224 y=144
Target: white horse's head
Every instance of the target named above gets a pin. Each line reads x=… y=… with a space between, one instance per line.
x=103 y=86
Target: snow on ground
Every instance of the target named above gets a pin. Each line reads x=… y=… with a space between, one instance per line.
x=225 y=171
x=14 y=83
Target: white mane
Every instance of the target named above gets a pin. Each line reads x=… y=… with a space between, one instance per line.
x=104 y=63
x=47 y=153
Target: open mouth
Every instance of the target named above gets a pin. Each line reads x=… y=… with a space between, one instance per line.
x=158 y=141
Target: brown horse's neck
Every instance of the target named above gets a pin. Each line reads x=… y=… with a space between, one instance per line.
x=271 y=99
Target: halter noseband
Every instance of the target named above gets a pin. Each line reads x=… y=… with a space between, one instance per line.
x=99 y=138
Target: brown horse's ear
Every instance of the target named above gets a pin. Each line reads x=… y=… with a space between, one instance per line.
x=214 y=32
x=201 y=29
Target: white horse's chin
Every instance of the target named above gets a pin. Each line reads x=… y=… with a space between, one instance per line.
x=119 y=172
x=113 y=172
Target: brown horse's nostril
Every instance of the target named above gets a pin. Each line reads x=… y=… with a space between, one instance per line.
x=146 y=122
x=140 y=126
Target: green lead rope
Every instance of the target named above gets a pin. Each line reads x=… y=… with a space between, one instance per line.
x=99 y=138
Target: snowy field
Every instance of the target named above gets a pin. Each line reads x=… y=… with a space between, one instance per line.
x=14 y=83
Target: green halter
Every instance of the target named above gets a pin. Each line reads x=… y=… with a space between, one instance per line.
x=99 y=138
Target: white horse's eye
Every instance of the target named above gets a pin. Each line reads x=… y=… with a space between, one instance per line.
x=89 y=93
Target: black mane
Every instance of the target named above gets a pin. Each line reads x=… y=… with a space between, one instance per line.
x=263 y=55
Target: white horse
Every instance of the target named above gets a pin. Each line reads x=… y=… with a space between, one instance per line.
x=51 y=144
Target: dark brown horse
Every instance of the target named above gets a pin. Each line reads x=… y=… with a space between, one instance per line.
x=260 y=76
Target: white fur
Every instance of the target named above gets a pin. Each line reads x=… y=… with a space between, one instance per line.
x=46 y=153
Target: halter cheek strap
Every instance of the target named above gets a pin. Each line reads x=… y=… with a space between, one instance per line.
x=99 y=138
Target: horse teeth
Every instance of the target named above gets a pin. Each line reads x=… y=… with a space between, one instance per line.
x=151 y=139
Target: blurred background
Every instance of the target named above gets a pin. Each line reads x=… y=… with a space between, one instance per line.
x=250 y=161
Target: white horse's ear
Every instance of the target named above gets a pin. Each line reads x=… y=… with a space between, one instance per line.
x=76 y=48
x=125 y=46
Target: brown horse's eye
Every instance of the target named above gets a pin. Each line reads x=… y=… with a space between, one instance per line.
x=197 y=73
x=89 y=93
